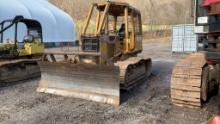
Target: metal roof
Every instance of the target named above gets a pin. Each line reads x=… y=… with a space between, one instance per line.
x=118 y=7
x=57 y=26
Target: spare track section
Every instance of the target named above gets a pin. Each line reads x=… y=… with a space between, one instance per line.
x=186 y=81
x=18 y=70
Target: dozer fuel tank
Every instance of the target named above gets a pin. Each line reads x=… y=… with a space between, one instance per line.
x=99 y=83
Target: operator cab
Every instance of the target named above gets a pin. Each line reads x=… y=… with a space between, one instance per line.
x=116 y=23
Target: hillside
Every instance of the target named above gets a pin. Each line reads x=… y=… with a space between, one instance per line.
x=153 y=11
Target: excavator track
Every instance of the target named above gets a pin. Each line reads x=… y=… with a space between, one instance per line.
x=18 y=70
x=186 y=81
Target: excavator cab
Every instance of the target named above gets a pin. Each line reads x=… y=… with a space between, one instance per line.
x=107 y=60
x=32 y=42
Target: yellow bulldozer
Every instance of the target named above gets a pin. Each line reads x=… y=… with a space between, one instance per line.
x=18 y=59
x=107 y=60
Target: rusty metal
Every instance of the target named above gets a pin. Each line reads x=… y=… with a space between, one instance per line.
x=100 y=83
x=91 y=82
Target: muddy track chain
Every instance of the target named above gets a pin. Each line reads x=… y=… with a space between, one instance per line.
x=18 y=69
x=133 y=70
x=186 y=81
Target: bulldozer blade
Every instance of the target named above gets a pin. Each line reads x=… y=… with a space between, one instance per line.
x=91 y=82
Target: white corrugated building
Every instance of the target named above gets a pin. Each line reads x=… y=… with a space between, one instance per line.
x=57 y=26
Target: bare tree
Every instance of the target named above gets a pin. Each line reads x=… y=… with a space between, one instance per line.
x=153 y=11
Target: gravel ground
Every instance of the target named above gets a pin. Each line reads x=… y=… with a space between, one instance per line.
x=148 y=103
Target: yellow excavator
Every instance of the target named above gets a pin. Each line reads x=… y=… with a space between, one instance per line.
x=18 y=59
x=107 y=60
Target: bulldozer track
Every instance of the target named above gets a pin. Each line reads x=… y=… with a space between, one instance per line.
x=186 y=81
x=132 y=70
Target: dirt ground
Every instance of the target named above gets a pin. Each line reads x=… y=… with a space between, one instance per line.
x=148 y=103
